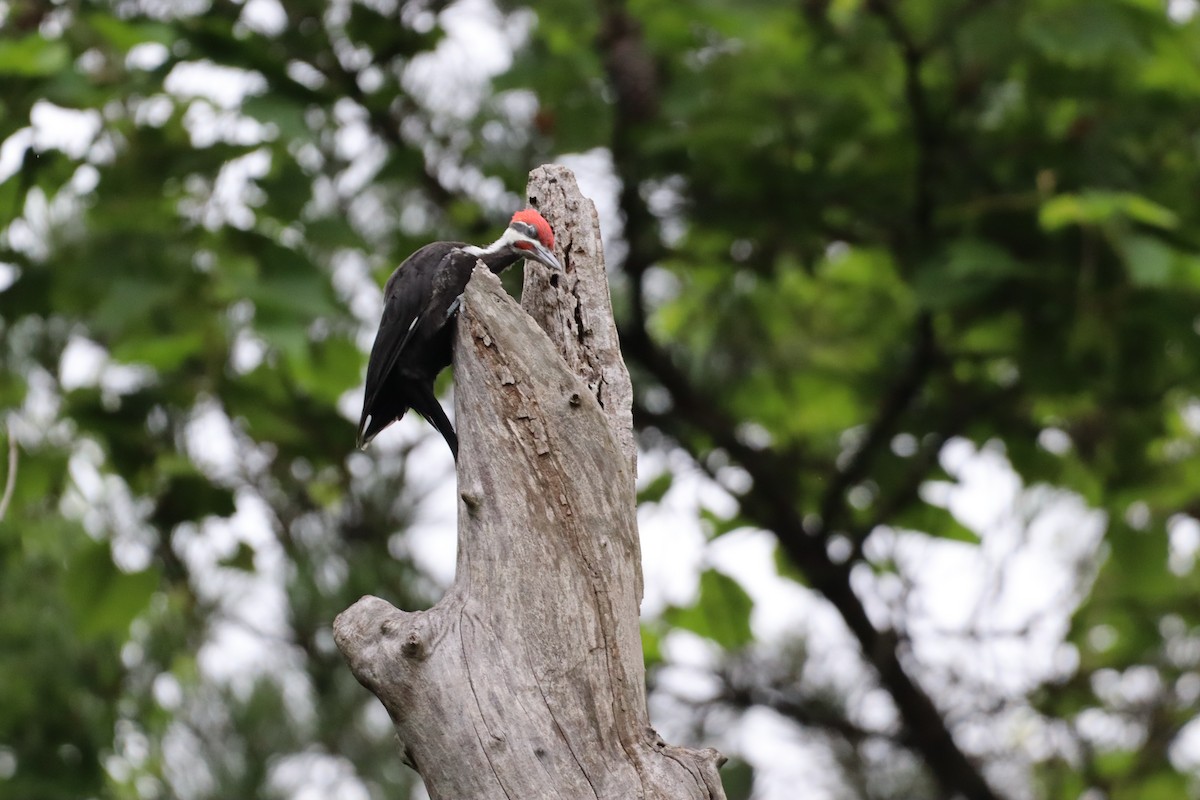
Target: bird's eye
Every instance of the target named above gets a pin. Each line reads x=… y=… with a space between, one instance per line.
x=525 y=229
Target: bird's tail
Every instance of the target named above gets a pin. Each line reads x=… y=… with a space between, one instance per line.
x=365 y=431
x=427 y=405
x=375 y=417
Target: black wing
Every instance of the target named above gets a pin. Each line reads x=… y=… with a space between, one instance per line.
x=416 y=304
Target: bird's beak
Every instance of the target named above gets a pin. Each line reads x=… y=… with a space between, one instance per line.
x=539 y=252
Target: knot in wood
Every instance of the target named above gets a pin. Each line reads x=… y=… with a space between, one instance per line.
x=654 y=737
x=414 y=647
x=714 y=755
x=472 y=497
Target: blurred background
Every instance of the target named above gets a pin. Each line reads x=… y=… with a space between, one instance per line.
x=910 y=293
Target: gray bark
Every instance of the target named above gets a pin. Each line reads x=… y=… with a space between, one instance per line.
x=527 y=680
x=573 y=307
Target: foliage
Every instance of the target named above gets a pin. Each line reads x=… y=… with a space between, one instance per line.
x=856 y=238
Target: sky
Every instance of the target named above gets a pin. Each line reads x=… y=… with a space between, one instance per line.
x=997 y=612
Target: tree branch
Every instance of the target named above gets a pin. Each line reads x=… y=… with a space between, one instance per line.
x=953 y=22
x=10 y=479
x=811 y=715
x=925 y=130
x=772 y=501
x=904 y=391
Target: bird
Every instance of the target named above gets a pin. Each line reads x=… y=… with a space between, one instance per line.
x=415 y=340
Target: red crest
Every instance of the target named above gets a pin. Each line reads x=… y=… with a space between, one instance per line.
x=532 y=217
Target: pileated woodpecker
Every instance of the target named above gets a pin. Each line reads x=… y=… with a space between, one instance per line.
x=416 y=335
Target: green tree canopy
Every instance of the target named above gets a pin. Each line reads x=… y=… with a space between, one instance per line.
x=908 y=289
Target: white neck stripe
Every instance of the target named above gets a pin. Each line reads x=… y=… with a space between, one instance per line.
x=503 y=242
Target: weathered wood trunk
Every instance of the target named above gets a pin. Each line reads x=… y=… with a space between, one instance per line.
x=527 y=680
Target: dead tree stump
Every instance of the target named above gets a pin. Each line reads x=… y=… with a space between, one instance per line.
x=527 y=679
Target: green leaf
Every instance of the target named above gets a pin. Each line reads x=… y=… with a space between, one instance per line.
x=189 y=495
x=1153 y=263
x=967 y=271
x=127 y=300
x=324 y=369
x=33 y=56
x=737 y=777
x=160 y=352
x=303 y=296
x=286 y=114
x=1140 y=209
x=1115 y=764
x=41 y=474
x=657 y=488
x=787 y=569
x=722 y=612
x=716 y=525
x=1085 y=32
x=1095 y=207
x=1138 y=567
x=242 y=558
x=651 y=645
x=935 y=521
x=1149 y=260
x=1163 y=784
x=104 y=598
x=125 y=34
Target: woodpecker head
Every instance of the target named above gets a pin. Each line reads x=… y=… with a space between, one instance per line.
x=529 y=234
